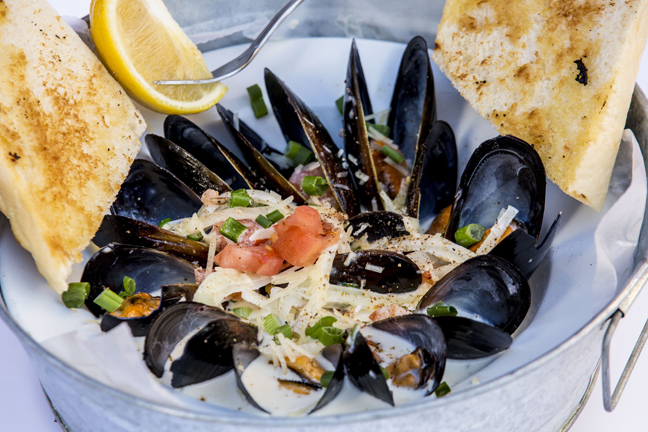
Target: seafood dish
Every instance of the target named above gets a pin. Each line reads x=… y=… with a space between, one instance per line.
x=320 y=265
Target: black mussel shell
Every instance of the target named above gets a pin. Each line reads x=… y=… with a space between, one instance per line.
x=203 y=147
x=183 y=165
x=332 y=353
x=171 y=294
x=208 y=353
x=397 y=274
x=243 y=355
x=300 y=124
x=424 y=333
x=356 y=140
x=151 y=193
x=434 y=175
x=149 y=268
x=275 y=180
x=502 y=171
x=274 y=156
x=486 y=287
x=120 y=229
x=377 y=225
x=363 y=370
x=173 y=325
x=468 y=339
x=413 y=105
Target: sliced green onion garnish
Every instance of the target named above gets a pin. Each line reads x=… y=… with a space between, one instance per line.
x=304 y=156
x=263 y=221
x=392 y=154
x=340 y=104
x=256 y=100
x=129 y=287
x=469 y=235
x=331 y=336
x=439 y=310
x=275 y=216
x=164 y=222
x=242 y=312
x=197 y=236
x=240 y=198
x=385 y=373
x=292 y=148
x=380 y=128
x=326 y=378
x=314 y=185
x=109 y=300
x=316 y=329
x=232 y=229
x=76 y=294
x=286 y=331
x=350 y=284
x=442 y=390
x=271 y=324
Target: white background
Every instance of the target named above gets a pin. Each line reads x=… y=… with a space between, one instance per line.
x=23 y=406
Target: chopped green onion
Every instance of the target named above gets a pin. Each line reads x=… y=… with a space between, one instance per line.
x=197 y=236
x=164 y=222
x=469 y=235
x=271 y=324
x=286 y=331
x=256 y=100
x=331 y=336
x=326 y=378
x=240 y=198
x=129 y=287
x=109 y=300
x=242 y=312
x=316 y=329
x=314 y=185
x=76 y=294
x=232 y=229
x=385 y=373
x=275 y=216
x=439 y=309
x=442 y=390
x=380 y=128
x=299 y=154
x=350 y=284
x=339 y=103
x=392 y=154
x=263 y=221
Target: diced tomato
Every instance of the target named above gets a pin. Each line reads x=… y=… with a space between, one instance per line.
x=304 y=217
x=262 y=260
x=300 y=247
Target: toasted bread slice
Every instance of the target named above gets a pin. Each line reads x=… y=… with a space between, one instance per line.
x=558 y=74
x=68 y=134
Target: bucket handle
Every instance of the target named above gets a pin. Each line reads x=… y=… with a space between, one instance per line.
x=611 y=399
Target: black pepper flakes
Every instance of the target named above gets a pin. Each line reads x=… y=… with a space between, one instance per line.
x=14 y=156
x=582 y=72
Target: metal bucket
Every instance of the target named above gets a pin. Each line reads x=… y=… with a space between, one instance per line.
x=545 y=395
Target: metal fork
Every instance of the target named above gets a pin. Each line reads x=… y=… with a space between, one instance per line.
x=235 y=66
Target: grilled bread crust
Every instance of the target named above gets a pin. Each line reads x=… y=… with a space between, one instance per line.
x=557 y=73
x=68 y=135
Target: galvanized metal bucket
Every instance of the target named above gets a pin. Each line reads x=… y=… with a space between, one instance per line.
x=545 y=395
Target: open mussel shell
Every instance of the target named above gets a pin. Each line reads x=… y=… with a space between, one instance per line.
x=363 y=370
x=149 y=268
x=356 y=140
x=332 y=353
x=274 y=156
x=171 y=294
x=275 y=180
x=298 y=123
x=377 y=225
x=203 y=147
x=124 y=230
x=242 y=356
x=183 y=165
x=151 y=193
x=434 y=174
x=469 y=340
x=379 y=271
x=487 y=288
x=174 y=324
x=502 y=171
x=425 y=334
x=208 y=353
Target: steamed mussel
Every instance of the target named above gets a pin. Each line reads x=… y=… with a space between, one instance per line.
x=254 y=273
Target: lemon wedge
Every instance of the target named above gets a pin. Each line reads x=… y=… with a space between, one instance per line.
x=139 y=42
